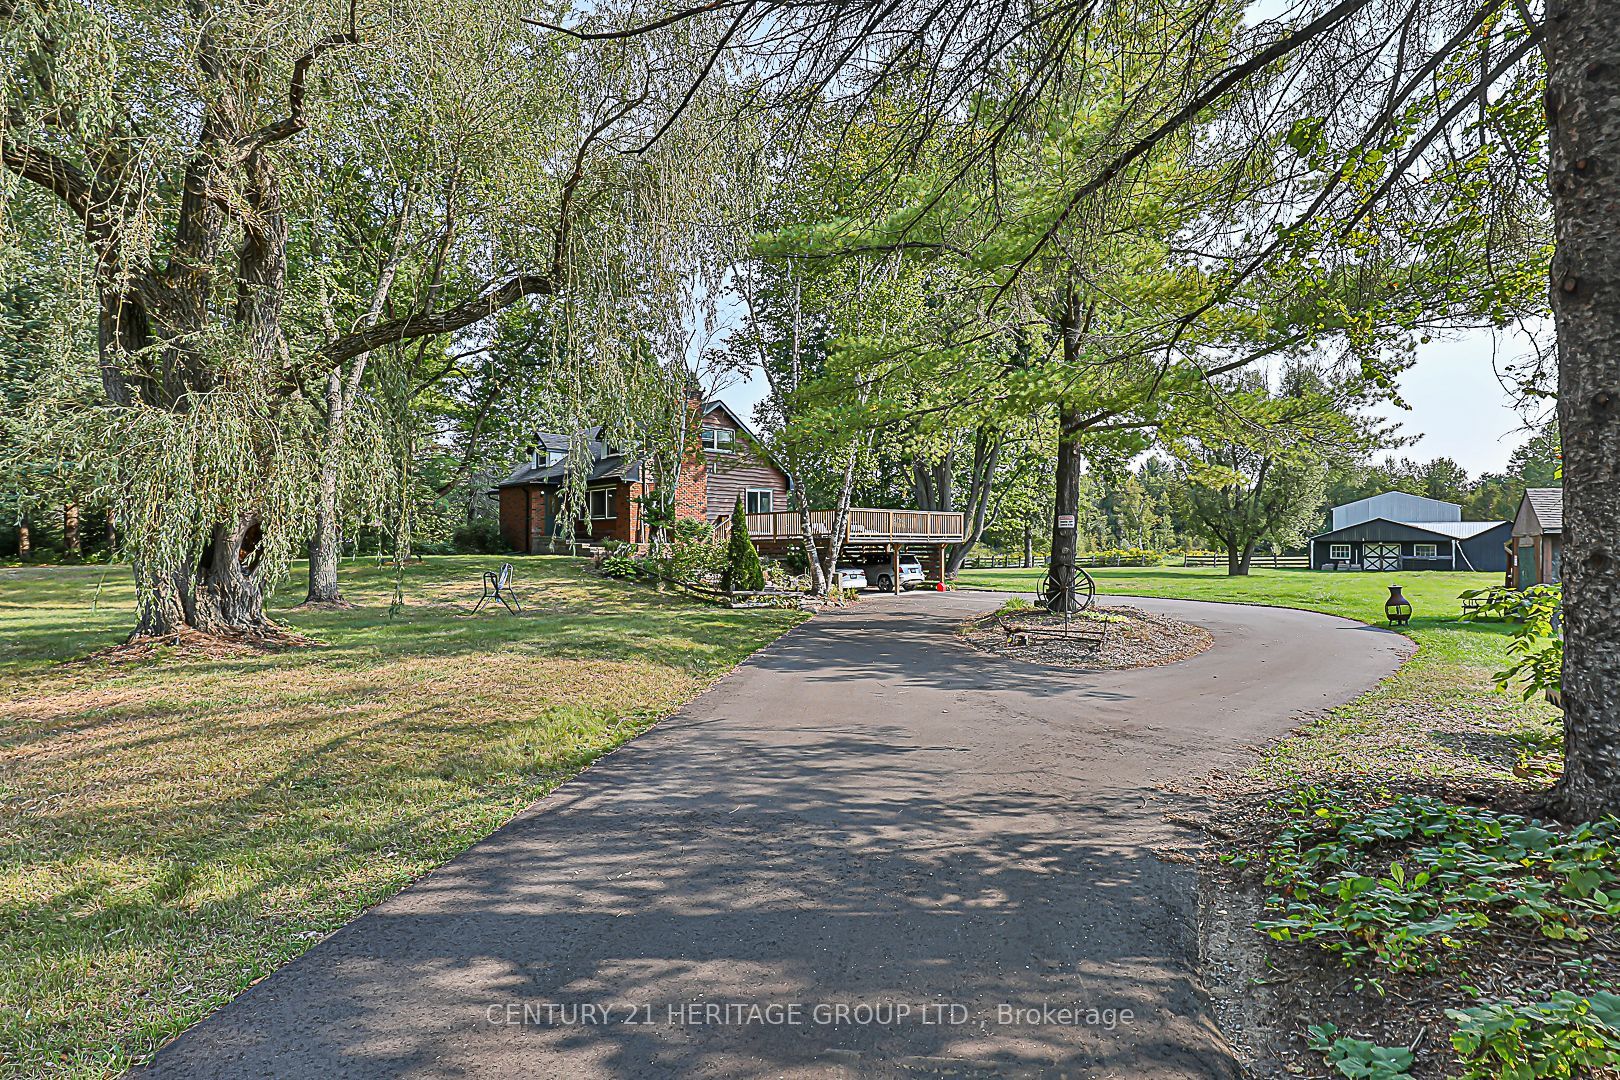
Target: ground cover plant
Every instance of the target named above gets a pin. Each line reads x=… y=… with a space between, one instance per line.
x=174 y=826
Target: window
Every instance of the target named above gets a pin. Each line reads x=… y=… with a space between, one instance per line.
x=1425 y=551
x=758 y=500
x=600 y=502
x=1339 y=552
x=720 y=440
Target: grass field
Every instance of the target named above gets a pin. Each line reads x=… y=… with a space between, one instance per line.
x=173 y=828
x=1439 y=716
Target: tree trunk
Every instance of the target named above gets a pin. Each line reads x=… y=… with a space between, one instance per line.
x=112 y=530
x=986 y=457
x=1238 y=559
x=220 y=595
x=812 y=558
x=70 y=529
x=25 y=538
x=1062 y=567
x=1583 y=112
x=840 y=522
x=323 y=544
x=1029 y=545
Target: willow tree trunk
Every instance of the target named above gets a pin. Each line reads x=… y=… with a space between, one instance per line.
x=1583 y=112
x=25 y=538
x=219 y=595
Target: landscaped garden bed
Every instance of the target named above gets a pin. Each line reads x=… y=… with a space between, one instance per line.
x=1110 y=638
x=1450 y=933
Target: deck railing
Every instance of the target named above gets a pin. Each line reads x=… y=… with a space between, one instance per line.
x=865 y=526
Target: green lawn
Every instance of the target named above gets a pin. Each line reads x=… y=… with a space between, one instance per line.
x=1439 y=716
x=174 y=827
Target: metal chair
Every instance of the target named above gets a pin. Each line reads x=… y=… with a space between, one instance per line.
x=499 y=586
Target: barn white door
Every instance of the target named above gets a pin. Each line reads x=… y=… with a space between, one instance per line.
x=1381 y=557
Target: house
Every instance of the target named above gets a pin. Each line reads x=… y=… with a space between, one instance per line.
x=727 y=461
x=1536 y=556
x=1398 y=531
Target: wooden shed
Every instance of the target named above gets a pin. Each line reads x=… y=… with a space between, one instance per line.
x=1536 y=554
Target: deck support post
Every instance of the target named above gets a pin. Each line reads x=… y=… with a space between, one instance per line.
x=894 y=567
x=940 y=552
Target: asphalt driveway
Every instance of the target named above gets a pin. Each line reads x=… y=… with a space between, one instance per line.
x=870 y=851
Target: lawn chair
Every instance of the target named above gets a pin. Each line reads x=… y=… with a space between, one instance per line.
x=499 y=586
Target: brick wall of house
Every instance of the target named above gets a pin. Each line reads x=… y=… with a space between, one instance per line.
x=537 y=520
x=692 y=496
x=514 y=508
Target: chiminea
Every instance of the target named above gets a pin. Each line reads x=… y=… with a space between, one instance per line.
x=1398 y=608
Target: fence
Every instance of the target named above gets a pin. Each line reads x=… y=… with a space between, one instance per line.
x=1264 y=559
x=994 y=561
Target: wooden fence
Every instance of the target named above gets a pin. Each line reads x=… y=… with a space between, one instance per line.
x=1261 y=559
x=993 y=561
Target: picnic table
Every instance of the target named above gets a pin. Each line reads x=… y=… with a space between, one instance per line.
x=1490 y=598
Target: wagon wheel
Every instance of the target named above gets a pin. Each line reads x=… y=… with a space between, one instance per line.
x=1067 y=590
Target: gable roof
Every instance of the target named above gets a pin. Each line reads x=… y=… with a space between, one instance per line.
x=1546 y=505
x=1395 y=506
x=1449 y=530
x=614 y=466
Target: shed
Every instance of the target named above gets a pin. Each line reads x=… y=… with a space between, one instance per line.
x=1537 y=551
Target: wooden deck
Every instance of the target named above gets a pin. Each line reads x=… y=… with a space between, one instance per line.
x=864 y=526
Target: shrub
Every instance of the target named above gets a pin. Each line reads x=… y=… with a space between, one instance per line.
x=742 y=573
x=618 y=564
x=692 y=557
x=480 y=537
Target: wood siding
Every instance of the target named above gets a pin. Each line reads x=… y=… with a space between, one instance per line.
x=731 y=474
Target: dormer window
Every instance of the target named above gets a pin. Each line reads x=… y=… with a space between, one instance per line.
x=719 y=440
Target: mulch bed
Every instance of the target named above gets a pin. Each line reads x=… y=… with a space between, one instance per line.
x=197 y=644
x=1130 y=638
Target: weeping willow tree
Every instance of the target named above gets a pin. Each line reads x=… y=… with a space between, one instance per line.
x=230 y=167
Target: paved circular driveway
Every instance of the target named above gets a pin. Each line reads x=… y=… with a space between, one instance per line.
x=870 y=851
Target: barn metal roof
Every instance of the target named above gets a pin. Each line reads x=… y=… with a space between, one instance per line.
x=1453 y=530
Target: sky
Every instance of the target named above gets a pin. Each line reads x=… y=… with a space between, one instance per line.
x=1458 y=407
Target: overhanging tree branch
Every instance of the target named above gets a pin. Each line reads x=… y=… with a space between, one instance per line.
x=428 y=323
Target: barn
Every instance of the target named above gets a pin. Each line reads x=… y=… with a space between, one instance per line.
x=1400 y=531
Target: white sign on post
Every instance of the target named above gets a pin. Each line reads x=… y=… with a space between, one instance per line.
x=1066 y=522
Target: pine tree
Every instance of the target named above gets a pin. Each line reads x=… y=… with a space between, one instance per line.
x=743 y=573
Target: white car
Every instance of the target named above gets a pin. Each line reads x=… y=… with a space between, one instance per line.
x=880 y=572
x=851 y=578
